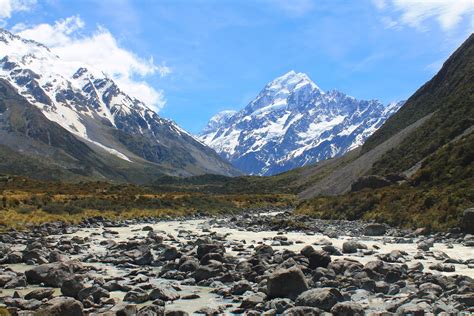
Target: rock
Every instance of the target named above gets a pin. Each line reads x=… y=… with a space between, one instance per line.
x=375 y=229
x=307 y=250
x=252 y=300
x=319 y=259
x=465 y=299
x=382 y=287
x=164 y=292
x=421 y=231
x=176 y=313
x=72 y=285
x=205 y=273
x=171 y=253
x=123 y=309
x=443 y=267
x=20 y=303
x=264 y=251
x=137 y=296
x=425 y=245
x=52 y=274
x=324 y=298
x=204 y=249
x=189 y=265
x=279 y=304
x=61 y=306
x=151 y=310
x=302 y=311
x=347 y=309
x=39 y=294
x=352 y=246
x=467 y=222
x=287 y=283
x=240 y=287
x=411 y=309
x=95 y=292
x=15 y=282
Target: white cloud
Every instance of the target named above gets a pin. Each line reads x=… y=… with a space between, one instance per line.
x=448 y=13
x=100 y=50
x=7 y=7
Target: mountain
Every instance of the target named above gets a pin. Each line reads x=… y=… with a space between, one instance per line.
x=78 y=122
x=293 y=123
x=417 y=169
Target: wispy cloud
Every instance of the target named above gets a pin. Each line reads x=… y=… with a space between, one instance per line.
x=100 y=50
x=8 y=7
x=414 y=13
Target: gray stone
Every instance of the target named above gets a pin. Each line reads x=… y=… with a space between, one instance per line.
x=286 y=283
x=324 y=298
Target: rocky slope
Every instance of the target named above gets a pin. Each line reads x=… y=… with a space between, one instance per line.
x=89 y=106
x=293 y=123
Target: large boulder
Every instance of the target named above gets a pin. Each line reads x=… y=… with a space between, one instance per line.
x=40 y=294
x=151 y=310
x=324 y=298
x=204 y=249
x=94 y=293
x=375 y=229
x=319 y=258
x=352 y=246
x=53 y=274
x=286 y=283
x=72 y=285
x=467 y=223
x=164 y=292
x=61 y=306
x=137 y=296
x=347 y=309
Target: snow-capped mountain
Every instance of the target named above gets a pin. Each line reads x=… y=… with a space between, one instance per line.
x=88 y=104
x=292 y=123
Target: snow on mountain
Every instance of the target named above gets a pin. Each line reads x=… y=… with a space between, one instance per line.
x=218 y=120
x=292 y=123
x=90 y=105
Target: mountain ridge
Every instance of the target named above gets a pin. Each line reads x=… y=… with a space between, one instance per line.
x=89 y=105
x=293 y=123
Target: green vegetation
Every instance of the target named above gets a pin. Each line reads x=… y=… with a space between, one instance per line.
x=449 y=97
x=435 y=197
x=24 y=201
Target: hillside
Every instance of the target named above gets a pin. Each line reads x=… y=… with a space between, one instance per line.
x=76 y=123
x=417 y=169
x=437 y=113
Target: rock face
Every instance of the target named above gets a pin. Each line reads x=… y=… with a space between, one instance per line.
x=286 y=283
x=292 y=123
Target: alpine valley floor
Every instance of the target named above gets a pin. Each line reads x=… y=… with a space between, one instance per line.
x=254 y=264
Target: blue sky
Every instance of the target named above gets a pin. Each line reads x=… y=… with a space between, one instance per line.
x=191 y=59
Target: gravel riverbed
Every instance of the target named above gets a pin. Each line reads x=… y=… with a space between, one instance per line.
x=272 y=263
